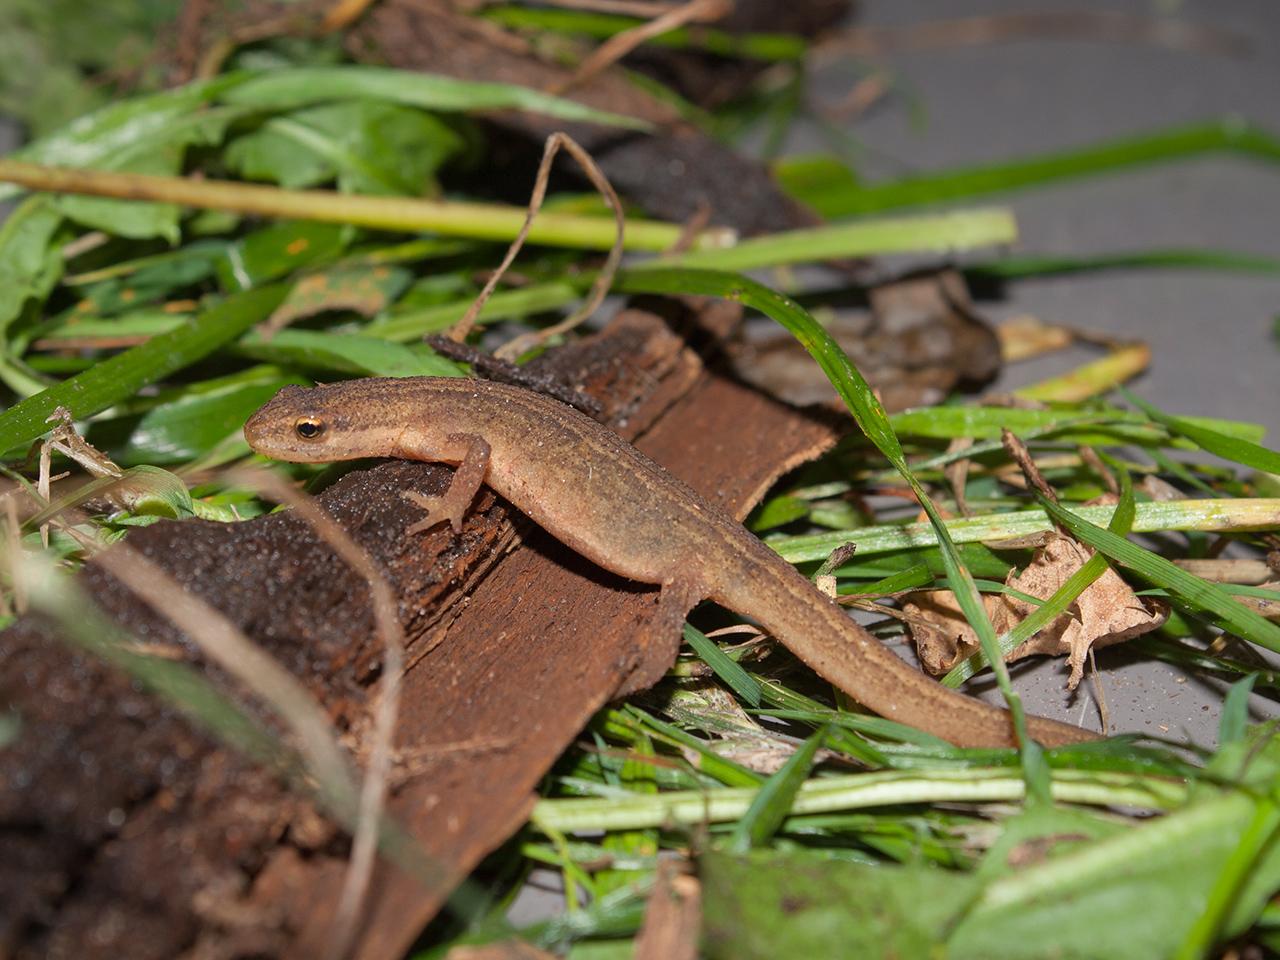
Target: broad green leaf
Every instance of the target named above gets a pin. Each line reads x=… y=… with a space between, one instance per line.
x=30 y=266
x=188 y=423
x=146 y=280
x=809 y=903
x=127 y=127
x=10 y=722
x=121 y=376
x=140 y=323
x=303 y=86
x=413 y=324
x=1143 y=889
x=347 y=353
x=142 y=491
x=129 y=218
x=1039 y=833
x=278 y=250
x=59 y=58
x=362 y=289
x=777 y=512
x=725 y=667
x=370 y=146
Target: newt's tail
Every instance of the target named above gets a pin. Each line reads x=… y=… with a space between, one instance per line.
x=770 y=591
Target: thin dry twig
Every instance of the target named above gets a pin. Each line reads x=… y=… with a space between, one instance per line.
x=620 y=44
x=64 y=439
x=1090 y=458
x=692 y=228
x=1099 y=694
x=957 y=473
x=1022 y=457
x=13 y=551
x=599 y=289
x=861 y=97
x=344 y=13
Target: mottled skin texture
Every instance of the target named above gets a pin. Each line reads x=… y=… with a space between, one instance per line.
x=604 y=499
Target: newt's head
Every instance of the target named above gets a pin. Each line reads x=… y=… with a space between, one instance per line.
x=339 y=421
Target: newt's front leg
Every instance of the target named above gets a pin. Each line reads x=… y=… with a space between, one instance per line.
x=452 y=505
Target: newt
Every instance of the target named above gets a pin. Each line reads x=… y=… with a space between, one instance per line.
x=604 y=499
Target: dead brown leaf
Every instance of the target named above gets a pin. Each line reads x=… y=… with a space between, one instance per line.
x=921 y=340
x=1107 y=613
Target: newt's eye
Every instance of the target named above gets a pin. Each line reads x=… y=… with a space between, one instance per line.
x=308 y=428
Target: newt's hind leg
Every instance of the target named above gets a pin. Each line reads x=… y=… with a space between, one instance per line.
x=452 y=505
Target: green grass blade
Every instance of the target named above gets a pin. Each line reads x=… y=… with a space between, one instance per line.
x=503 y=305
x=946 y=423
x=1229 y=448
x=725 y=667
x=123 y=375
x=774 y=800
x=1015 y=268
x=1230 y=135
x=1233 y=724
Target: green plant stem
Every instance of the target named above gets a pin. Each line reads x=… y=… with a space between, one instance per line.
x=943 y=233
x=1205 y=515
x=482 y=221
x=852 y=792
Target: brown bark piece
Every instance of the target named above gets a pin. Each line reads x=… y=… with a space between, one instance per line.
x=124 y=831
x=673 y=917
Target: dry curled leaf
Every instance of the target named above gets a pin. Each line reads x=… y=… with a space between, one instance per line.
x=921 y=340
x=1106 y=613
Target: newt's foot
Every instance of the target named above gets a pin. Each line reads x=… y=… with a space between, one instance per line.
x=439 y=509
